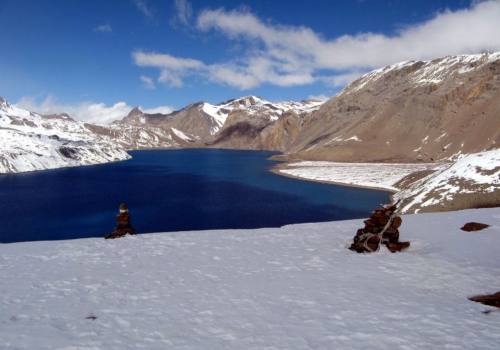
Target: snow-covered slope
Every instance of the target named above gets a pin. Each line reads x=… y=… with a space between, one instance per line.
x=29 y=141
x=473 y=180
x=297 y=287
x=133 y=137
x=429 y=72
x=183 y=136
x=470 y=181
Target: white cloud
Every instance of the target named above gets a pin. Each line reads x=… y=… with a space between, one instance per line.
x=143 y=7
x=164 y=61
x=172 y=69
x=148 y=82
x=288 y=56
x=232 y=75
x=463 y=31
x=321 y=97
x=184 y=11
x=92 y=112
x=103 y=28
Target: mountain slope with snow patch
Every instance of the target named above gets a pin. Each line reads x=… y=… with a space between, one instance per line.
x=253 y=105
x=409 y=112
x=29 y=142
x=471 y=181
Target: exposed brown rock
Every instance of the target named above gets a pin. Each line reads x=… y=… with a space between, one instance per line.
x=408 y=112
x=491 y=299
x=474 y=226
x=411 y=112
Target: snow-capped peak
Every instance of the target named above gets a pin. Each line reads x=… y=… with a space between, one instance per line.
x=254 y=105
x=6 y=109
x=134 y=111
x=3 y=103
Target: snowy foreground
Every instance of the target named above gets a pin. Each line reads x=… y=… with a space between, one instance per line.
x=295 y=287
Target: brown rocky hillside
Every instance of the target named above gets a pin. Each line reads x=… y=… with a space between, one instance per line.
x=407 y=112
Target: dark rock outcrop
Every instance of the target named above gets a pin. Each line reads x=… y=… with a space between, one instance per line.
x=491 y=299
x=474 y=226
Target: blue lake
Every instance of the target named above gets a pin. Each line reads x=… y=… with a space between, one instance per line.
x=170 y=190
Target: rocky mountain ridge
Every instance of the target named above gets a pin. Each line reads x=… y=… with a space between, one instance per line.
x=413 y=111
x=236 y=123
x=409 y=112
x=31 y=141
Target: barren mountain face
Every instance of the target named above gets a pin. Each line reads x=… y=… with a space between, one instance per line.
x=410 y=111
x=263 y=125
x=245 y=123
x=407 y=112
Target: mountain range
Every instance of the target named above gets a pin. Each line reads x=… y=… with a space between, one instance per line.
x=30 y=141
x=407 y=112
x=415 y=111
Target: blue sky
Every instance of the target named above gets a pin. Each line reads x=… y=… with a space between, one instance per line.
x=99 y=57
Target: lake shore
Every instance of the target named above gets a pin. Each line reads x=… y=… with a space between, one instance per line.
x=277 y=169
x=376 y=176
x=174 y=190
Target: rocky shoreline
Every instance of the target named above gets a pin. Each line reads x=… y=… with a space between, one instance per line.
x=471 y=181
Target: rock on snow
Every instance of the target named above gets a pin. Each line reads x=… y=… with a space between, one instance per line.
x=296 y=287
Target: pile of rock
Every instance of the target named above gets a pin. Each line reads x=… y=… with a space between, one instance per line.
x=381 y=228
x=123 y=224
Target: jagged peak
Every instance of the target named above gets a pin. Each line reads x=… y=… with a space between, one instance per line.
x=134 y=112
x=249 y=100
x=3 y=102
x=252 y=99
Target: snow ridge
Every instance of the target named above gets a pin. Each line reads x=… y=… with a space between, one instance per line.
x=434 y=71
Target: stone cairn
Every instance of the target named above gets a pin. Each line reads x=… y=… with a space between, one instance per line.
x=123 y=224
x=380 y=228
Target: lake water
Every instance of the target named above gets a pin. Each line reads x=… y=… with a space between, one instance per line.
x=170 y=190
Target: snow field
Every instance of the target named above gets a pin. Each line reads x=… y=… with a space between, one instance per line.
x=295 y=287
x=377 y=175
